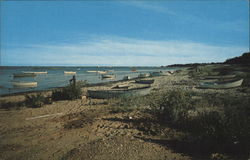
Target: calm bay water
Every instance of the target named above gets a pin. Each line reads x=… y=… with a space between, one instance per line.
x=56 y=77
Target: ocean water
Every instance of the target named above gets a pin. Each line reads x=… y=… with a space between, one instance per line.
x=56 y=77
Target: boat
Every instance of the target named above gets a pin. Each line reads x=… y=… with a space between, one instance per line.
x=24 y=84
x=92 y=71
x=126 y=78
x=27 y=72
x=17 y=75
x=221 y=84
x=118 y=93
x=102 y=72
x=69 y=72
x=143 y=75
x=160 y=73
x=144 y=81
x=108 y=76
x=124 y=86
x=219 y=77
x=133 y=70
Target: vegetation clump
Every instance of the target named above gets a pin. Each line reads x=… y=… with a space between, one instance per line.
x=35 y=101
x=69 y=92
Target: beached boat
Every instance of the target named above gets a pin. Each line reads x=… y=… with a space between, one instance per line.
x=108 y=76
x=144 y=81
x=69 y=72
x=24 y=84
x=126 y=78
x=160 y=73
x=221 y=84
x=27 y=72
x=219 y=77
x=17 y=75
x=143 y=75
x=106 y=94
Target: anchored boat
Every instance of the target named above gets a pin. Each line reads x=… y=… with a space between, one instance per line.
x=24 y=84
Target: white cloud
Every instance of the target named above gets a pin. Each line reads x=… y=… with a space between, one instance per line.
x=111 y=50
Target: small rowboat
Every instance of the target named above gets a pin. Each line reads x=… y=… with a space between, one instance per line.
x=221 y=84
x=108 y=76
x=143 y=75
x=69 y=72
x=24 y=84
x=18 y=75
x=102 y=72
x=92 y=71
x=106 y=94
x=143 y=81
x=27 y=72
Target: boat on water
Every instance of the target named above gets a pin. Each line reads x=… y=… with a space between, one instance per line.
x=69 y=72
x=221 y=84
x=102 y=72
x=24 y=84
x=133 y=70
x=143 y=75
x=118 y=93
x=18 y=75
x=27 y=72
x=144 y=81
x=92 y=71
x=108 y=76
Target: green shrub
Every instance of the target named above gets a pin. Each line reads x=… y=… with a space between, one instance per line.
x=35 y=100
x=172 y=106
x=69 y=92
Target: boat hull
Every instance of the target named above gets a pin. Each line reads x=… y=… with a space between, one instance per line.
x=19 y=75
x=24 y=84
x=107 y=94
x=221 y=85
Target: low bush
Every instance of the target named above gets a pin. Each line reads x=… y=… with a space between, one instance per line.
x=35 y=101
x=69 y=92
x=172 y=106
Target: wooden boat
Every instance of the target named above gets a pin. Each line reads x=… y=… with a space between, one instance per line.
x=219 y=77
x=143 y=75
x=17 y=75
x=106 y=94
x=126 y=78
x=144 y=81
x=102 y=72
x=92 y=71
x=69 y=72
x=27 y=72
x=108 y=76
x=24 y=84
x=221 y=84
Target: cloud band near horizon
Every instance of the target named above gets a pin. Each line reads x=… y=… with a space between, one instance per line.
x=118 y=51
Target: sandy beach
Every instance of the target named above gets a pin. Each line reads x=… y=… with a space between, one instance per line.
x=92 y=128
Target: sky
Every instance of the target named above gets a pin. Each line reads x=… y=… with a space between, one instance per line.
x=122 y=33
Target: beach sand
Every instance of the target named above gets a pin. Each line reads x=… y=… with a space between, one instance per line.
x=87 y=128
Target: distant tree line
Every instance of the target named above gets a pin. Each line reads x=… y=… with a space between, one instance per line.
x=243 y=59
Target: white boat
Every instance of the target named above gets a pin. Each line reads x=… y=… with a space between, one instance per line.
x=92 y=71
x=143 y=75
x=221 y=84
x=69 y=72
x=102 y=72
x=24 y=84
x=30 y=72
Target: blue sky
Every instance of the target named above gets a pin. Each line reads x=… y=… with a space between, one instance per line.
x=123 y=32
